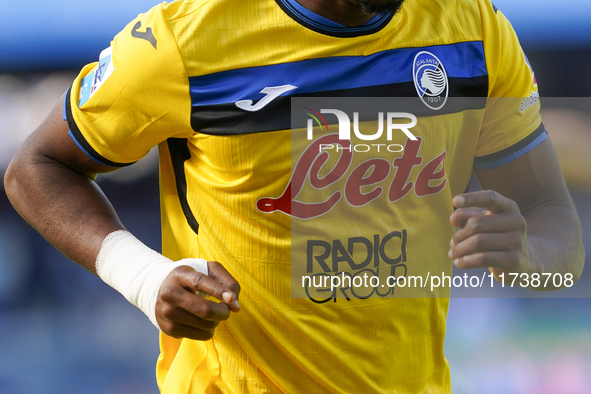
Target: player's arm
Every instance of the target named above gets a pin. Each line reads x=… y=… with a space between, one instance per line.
x=525 y=223
x=50 y=183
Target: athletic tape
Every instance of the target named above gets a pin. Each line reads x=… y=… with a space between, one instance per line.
x=136 y=271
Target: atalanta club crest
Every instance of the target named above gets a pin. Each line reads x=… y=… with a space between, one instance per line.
x=430 y=80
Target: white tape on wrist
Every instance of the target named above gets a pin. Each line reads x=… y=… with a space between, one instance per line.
x=136 y=271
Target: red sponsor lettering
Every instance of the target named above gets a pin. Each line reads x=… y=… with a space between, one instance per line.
x=428 y=174
x=400 y=185
x=370 y=172
x=379 y=171
x=311 y=159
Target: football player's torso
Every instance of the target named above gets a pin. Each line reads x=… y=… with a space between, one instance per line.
x=249 y=185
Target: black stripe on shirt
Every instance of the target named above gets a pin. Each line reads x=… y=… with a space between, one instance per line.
x=228 y=119
x=89 y=150
x=513 y=148
x=179 y=154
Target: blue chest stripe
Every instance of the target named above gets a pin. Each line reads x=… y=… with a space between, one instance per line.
x=463 y=60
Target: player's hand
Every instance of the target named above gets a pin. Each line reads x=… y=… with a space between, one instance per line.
x=183 y=314
x=492 y=233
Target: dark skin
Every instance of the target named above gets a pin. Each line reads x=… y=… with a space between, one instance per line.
x=350 y=13
x=527 y=225
x=47 y=165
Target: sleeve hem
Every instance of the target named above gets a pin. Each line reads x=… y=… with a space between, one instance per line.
x=513 y=152
x=79 y=139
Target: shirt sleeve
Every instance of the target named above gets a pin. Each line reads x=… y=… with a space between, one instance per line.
x=136 y=96
x=512 y=125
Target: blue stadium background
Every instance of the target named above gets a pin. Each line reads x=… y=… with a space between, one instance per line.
x=63 y=331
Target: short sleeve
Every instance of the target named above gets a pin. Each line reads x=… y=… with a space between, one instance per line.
x=136 y=96
x=512 y=125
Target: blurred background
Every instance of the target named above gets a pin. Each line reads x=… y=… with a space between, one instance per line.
x=63 y=331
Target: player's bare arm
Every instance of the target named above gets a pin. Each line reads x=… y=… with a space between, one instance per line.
x=50 y=183
x=525 y=223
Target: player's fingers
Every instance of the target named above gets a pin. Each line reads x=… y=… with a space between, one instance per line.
x=460 y=216
x=205 y=309
x=486 y=242
x=482 y=224
x=222 y=276
x=488 y=199
x=505 y=260
x=198 y=282
x=178 y=330
x=175 y=295
x=177 y=315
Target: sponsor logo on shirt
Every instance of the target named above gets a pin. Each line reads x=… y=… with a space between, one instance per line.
x=352 y=185
x=359 y=263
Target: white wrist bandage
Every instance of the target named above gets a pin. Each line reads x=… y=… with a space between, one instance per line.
x=136 y=271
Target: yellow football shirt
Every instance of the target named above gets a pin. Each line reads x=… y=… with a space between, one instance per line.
x=211 y=83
